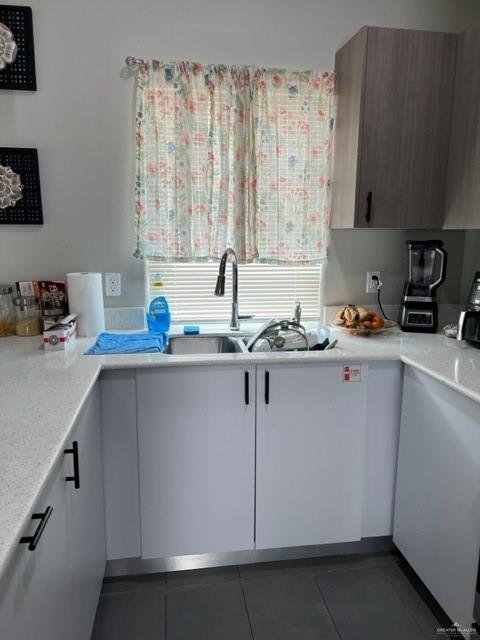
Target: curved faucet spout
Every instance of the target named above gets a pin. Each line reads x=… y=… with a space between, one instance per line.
x=220 y=286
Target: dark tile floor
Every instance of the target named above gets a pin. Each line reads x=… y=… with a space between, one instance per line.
x=344 y=598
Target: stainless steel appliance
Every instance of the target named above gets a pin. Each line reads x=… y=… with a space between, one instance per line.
x=469 y=321
x=427 y=271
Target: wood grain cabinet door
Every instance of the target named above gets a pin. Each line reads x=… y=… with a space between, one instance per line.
x=462 y=202
x=408 y=93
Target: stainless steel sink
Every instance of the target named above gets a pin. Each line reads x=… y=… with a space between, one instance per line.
x=191 y=345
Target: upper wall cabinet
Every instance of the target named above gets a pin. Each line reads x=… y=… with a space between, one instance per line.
x=395 y=94
x=462 y=205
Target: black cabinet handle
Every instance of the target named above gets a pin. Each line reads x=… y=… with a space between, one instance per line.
x=247 y=388
x=368 y=215
x=32 y=541
x=267 y=387
x=76 y=469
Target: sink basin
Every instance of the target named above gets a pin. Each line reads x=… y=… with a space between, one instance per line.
x=191 y=345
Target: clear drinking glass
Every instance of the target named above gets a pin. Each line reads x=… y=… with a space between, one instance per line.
x=7 y=311
x=28 y=316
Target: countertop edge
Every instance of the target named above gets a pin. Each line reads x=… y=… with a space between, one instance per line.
x=456 y=386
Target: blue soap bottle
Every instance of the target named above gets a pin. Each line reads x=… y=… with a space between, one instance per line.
x=158 y=316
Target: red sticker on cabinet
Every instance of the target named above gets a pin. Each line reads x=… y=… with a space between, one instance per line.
x=352 y=374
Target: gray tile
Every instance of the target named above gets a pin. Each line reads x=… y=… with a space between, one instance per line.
x=357 y=561
x=287 y=606
x=413 y=601
x=201 y=576
x=133 y=583
x=136 y=615
x=365 y=606
x=207 y=612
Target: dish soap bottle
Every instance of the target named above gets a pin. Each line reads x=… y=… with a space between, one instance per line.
x=158 y=316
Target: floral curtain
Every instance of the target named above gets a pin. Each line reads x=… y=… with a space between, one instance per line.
x=292 y=115
x=232 y=156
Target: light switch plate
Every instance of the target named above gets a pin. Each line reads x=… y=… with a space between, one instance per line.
x=113 y=284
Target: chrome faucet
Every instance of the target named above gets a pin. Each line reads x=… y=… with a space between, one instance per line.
x=271 y=332
x=220 y=287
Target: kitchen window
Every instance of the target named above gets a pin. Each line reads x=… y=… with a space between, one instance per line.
x=239 y=157
x=266 y=290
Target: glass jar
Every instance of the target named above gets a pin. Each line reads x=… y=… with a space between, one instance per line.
x=7 y=311
x=27 y=313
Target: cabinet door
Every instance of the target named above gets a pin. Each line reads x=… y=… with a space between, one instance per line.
x=408 y=95
x=310 y=455
x=462 y=210
x=350 y=62
x=120 y=464
x=85 y=519
x=437 y=507
x=35 y=593
x=384 y=404
x=196 y=453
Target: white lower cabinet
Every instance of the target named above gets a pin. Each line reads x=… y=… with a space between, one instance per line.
x=85 y=520
x=51 y=592
x=310 y=455
x=437 y=507
x=314 y=463
x=384 y=403
x=35 y=593
x=120 y=463
x=196 y=434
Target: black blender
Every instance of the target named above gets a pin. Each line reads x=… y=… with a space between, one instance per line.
x=427 y=271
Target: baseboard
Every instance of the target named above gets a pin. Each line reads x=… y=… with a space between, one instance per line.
x=135 y=566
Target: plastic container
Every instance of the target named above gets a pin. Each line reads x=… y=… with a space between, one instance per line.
x=7 y=311
x=28 y=316
x=323 y=333
x=158 y=316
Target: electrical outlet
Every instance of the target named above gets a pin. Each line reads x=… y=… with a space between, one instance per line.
x=372 y=284
x=113 y=284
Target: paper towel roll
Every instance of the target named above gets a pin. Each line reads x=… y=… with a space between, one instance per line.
x=85 y=296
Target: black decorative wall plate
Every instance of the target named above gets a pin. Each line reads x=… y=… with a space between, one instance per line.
x=20 y=197
x=17 y=56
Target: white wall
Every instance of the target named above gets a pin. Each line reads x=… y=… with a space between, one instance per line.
x=81 y=117
x=352 y=253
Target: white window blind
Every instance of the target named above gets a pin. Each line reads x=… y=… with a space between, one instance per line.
x=266 y=291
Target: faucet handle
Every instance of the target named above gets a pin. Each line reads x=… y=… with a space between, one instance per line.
x=297 y=312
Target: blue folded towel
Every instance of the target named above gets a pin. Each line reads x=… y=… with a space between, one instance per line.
x=128 y=343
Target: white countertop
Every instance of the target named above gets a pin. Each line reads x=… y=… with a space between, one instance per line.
x=41 y=395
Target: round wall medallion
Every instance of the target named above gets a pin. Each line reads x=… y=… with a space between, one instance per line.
x=11 y=187
x=8 y=46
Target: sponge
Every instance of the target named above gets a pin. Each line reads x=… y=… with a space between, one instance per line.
x=191 y=330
